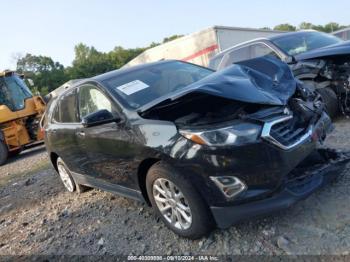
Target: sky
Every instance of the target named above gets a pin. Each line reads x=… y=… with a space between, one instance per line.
x=53 y=28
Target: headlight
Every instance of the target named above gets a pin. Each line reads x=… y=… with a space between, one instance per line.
x=237 y=134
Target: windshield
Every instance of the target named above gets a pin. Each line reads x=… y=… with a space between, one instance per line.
x=141 y=86
x=13 y=92
x=307 y=41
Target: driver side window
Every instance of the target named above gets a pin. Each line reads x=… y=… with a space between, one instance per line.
x=92 y=100
x=238 y=55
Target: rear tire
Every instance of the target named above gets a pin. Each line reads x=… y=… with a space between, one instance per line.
x=67 y=178
x=184 y=211
x=3 y=153
x=329 y=97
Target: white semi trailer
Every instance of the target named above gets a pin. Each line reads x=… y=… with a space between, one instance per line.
x=343 y=33
x=200 y=46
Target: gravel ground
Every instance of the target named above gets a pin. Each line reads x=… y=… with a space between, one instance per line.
x=37 y=216
x=27 y=160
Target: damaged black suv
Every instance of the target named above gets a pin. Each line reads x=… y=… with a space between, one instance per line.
x=203 y=148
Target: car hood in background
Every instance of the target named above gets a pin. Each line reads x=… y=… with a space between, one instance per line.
x=259 y=81
x=342 y=48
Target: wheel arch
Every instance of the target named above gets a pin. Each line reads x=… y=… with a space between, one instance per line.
x=53 y=159
x=142 y=171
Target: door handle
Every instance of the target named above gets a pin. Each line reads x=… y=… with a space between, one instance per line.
x=81 y=133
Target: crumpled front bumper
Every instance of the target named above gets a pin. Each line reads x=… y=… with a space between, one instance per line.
x=293 y=190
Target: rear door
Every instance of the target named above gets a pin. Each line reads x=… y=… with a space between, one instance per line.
x=62 y=131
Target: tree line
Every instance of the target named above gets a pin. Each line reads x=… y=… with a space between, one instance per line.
x=327 y=28
x=48 y=74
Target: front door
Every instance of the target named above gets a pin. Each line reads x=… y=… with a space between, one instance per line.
x=107 y=147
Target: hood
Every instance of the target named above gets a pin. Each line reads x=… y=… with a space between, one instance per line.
x=342 y=48
x=260 y=81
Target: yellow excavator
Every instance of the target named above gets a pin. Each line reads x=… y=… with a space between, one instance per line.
x=20 y=115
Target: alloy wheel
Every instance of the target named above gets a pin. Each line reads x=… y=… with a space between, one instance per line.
x=172 y=204
x=66 y=179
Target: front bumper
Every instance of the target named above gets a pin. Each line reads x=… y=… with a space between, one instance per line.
x=294 y=190
x=262 y=166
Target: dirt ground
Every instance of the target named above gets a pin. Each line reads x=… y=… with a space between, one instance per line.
x=37 y=216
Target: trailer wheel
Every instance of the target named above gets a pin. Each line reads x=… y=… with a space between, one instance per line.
x=3 y=153
x=329 y=97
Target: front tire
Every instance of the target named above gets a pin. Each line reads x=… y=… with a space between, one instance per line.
x=177 y=202
x=3 y=153
x=329 y=98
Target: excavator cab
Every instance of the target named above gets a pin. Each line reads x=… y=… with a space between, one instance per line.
x=20 y=114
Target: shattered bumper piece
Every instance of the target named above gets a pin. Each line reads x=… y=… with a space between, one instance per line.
x=316 y=171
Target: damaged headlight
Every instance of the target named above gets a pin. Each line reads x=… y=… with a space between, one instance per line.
x=237 y=134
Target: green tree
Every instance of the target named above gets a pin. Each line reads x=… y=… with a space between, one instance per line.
x=285 y=27
x=119 y=56
x=46 y=73
x=306 y=25
x=331 y=27
x=328 y=28
x=88 y=62
x=171 y=38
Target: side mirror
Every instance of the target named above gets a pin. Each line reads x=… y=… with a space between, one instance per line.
x=289 y=60
x=99 y=118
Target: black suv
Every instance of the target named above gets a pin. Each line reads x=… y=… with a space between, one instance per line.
x=203 y=148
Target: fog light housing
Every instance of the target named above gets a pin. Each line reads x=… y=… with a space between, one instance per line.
x=230 y=186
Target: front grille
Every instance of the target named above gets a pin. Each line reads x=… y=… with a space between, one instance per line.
x=285 y=132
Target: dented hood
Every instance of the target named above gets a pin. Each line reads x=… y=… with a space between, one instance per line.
x=260 y=81
x=342 y=48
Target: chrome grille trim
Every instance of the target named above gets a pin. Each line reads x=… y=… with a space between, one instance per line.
x=266 y=133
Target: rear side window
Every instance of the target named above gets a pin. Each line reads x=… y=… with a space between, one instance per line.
x=66 y=109
x=56 y=113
